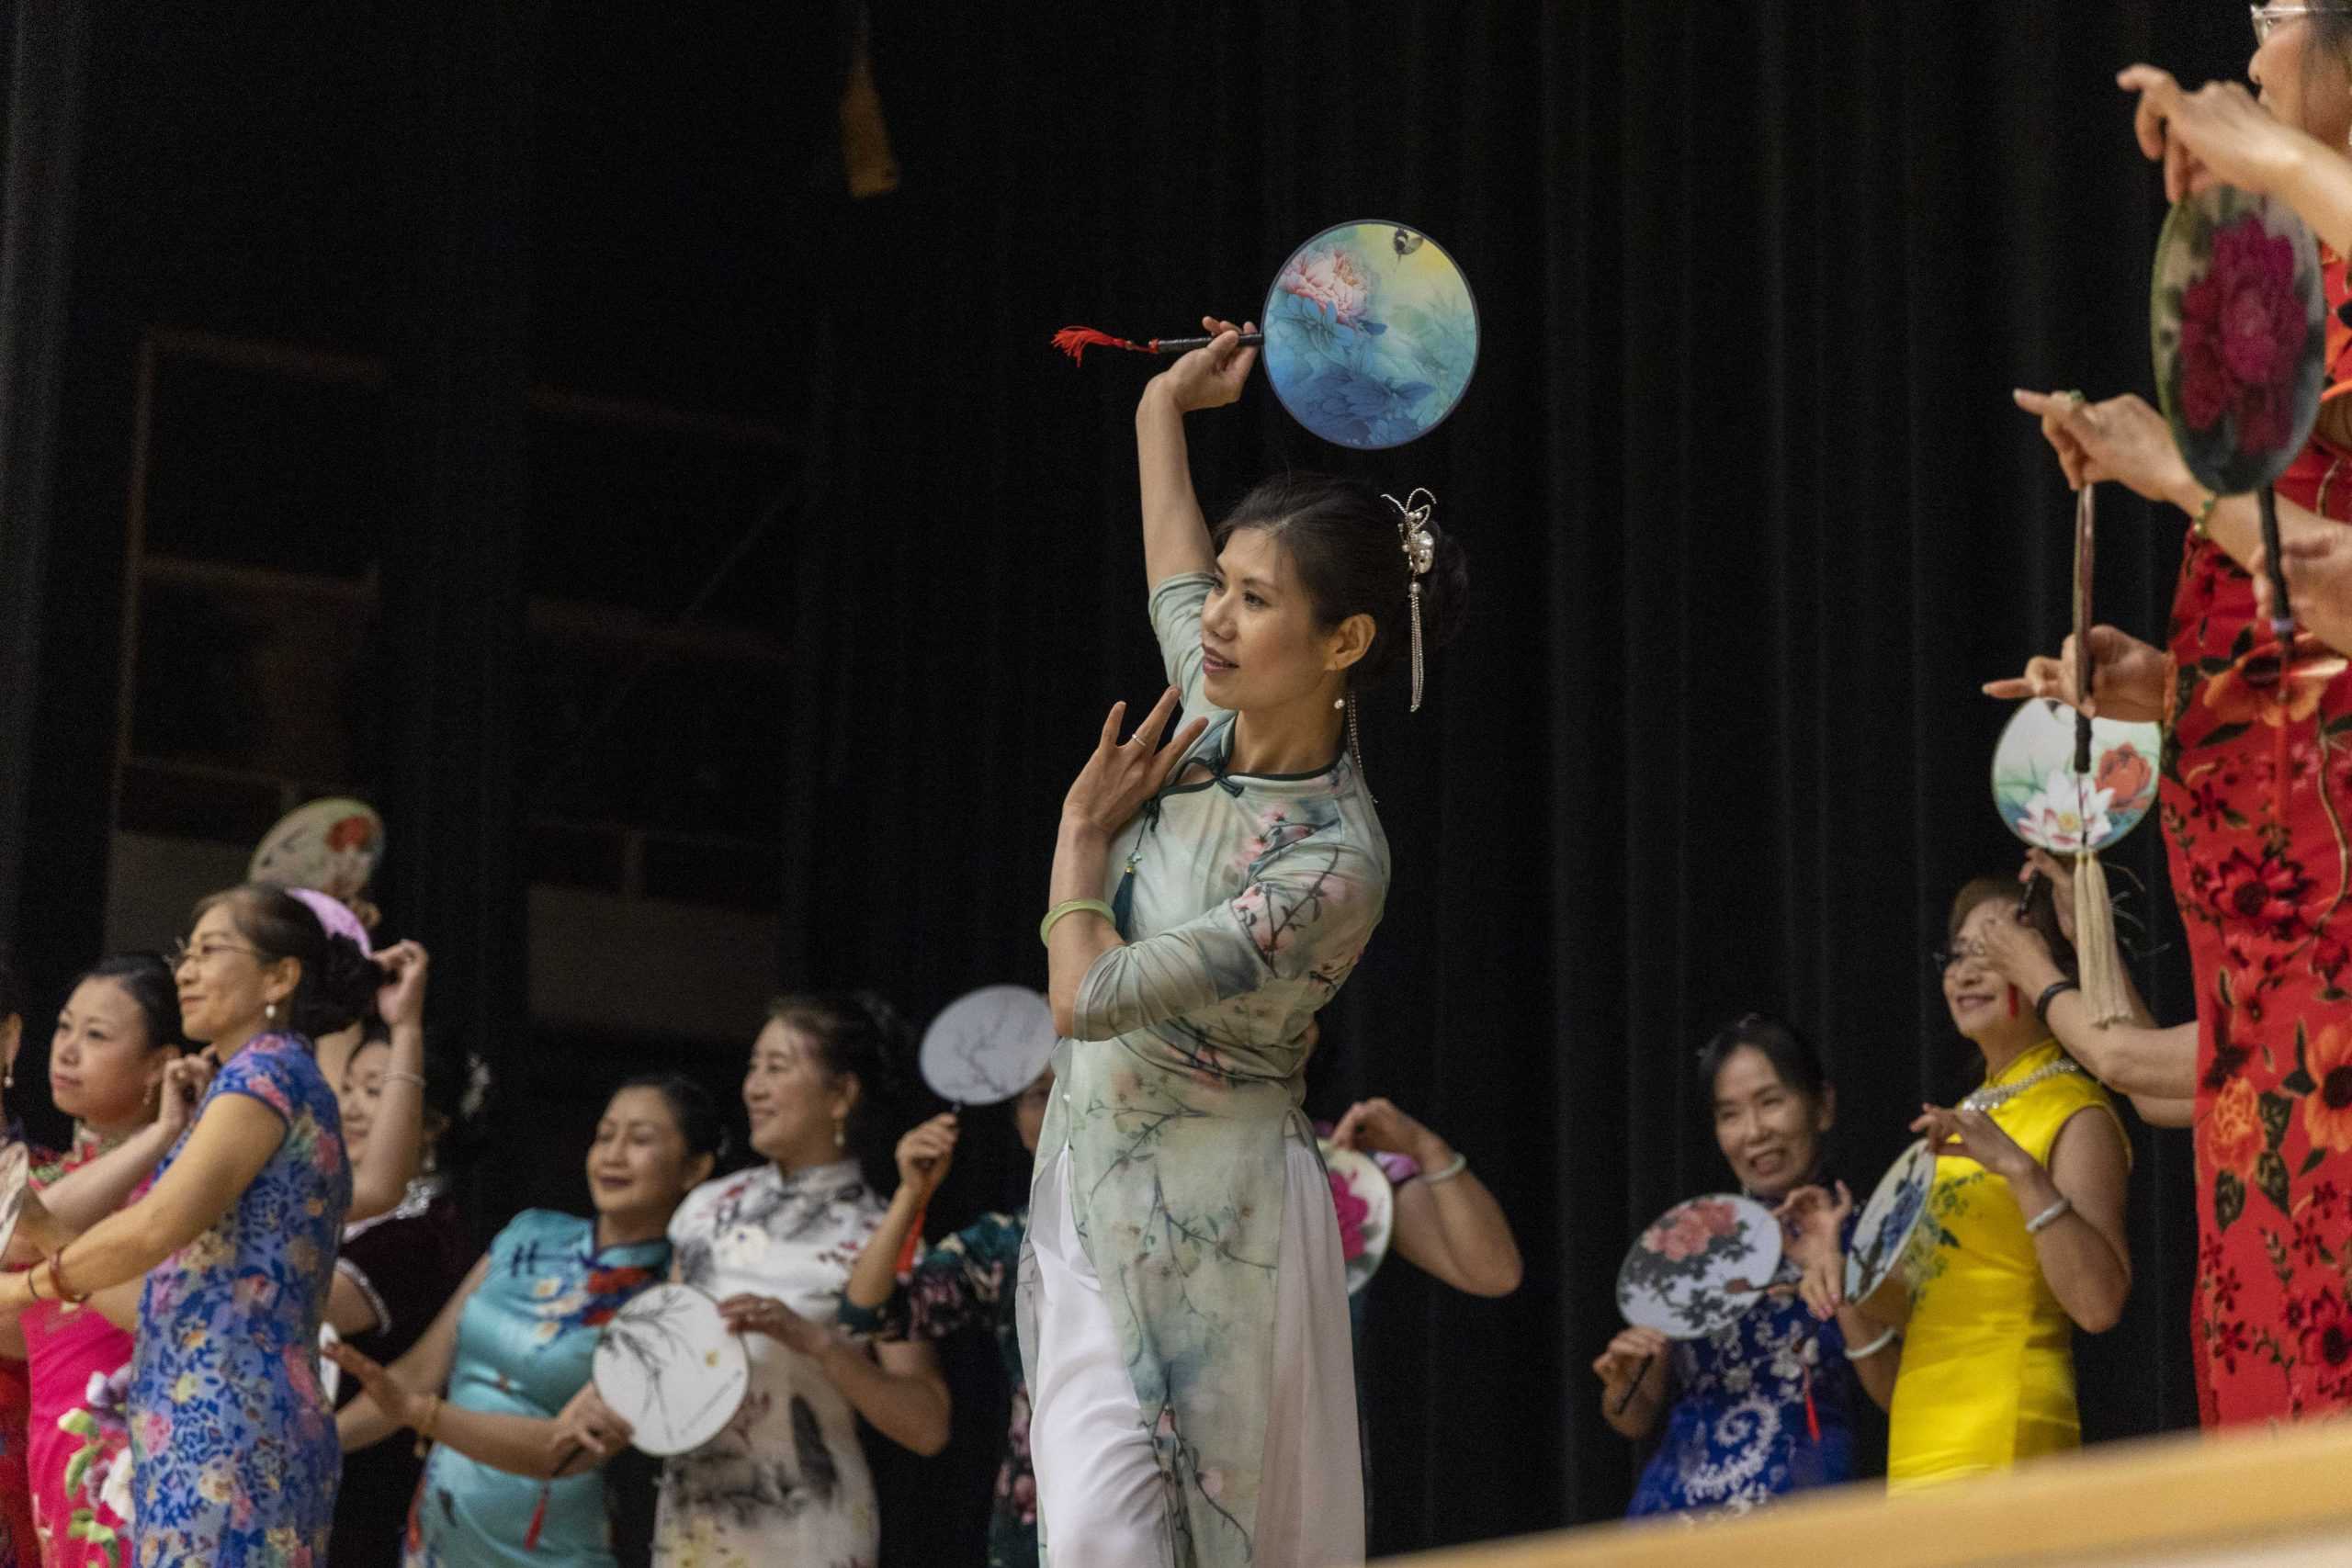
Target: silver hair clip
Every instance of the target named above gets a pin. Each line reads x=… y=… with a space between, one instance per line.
x=1420 y=553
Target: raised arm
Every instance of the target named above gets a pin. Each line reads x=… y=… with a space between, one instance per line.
x=425 y=1367
x=81 y=1199
x=381 y=1174
x=2078 y=1197
x=1175 y=534
x=232 y=1141
x=924 y=1156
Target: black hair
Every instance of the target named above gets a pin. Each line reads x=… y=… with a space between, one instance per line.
x=859 y=1033
x=691 y=1106
x=147 y=980
x=448 y=1083
x=339 y=982
x=12 y=997
x=1794 y=1060
x=1344 y=541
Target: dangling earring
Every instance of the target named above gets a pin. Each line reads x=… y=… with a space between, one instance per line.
x=269 y=1012
x=841 y=1134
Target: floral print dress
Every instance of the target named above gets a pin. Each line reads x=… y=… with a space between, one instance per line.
x=953 y=1285
x=1245 y=902
x=79 y=1442
x=2261 y=871
x=233 y=1451
x=1761 y=1408
x=786 y=1485
x=525 y=1341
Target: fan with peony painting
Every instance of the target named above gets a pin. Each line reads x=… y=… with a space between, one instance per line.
x=2237 y=320
x=1698 y=1268
x=1370 y=331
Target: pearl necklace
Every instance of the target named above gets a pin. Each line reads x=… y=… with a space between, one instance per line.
x=1985 y=1098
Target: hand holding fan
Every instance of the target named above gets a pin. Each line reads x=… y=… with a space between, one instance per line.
x=1371 y=334
x=1698 y=1268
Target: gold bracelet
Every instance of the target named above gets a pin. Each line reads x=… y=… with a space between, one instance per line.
x=1069 y=906
x=2196 y=525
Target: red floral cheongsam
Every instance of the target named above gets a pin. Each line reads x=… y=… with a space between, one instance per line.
x=2263 y=878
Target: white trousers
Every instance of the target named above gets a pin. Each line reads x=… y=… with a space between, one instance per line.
x=1100 y=1495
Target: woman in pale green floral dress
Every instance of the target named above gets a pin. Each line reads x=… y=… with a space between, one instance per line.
x=1182 y=1303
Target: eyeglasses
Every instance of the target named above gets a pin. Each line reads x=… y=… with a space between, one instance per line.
x=1944 y=960
x=2267 y=17
x=182 y=954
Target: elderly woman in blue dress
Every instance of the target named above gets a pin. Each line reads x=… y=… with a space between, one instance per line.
x=1184 y=1307
x=1764 y=1407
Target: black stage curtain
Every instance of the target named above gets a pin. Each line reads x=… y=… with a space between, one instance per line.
x=1751 y=518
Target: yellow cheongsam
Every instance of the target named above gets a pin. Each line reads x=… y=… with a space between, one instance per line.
x=1988 y=1366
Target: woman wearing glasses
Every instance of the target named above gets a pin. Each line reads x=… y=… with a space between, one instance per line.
x=233 y=1449
x=2261 y=857
x=2023 y=1239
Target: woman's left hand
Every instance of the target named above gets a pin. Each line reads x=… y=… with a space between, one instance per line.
x=1977 y=1136
x=393 y=1397
x=766 y=1314
x=1814 y=1222
x=1378 y=1125
x=1122 y=775
x=186 y=1079
x=400 y=1000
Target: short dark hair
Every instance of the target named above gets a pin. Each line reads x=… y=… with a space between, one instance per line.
x=1794 y=1060
x=339 y=982
x=1344 y=541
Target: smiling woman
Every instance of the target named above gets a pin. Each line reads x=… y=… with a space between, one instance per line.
x=2023 y=1239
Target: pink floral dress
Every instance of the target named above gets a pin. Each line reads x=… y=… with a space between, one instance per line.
x=79 y=1444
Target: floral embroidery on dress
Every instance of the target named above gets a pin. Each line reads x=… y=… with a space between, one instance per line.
x=233 y=1447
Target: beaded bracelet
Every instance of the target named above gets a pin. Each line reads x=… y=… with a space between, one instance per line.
x=2205 y=515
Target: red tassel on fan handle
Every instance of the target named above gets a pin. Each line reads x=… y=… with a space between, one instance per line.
x=538 y=1519
x=1076 y=340
x=907 y=1249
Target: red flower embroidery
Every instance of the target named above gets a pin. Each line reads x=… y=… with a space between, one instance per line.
x=2327 y=1110
x=2233 y=1128
x=2242 y=327
x=2266 y=893
x=2327 y=1336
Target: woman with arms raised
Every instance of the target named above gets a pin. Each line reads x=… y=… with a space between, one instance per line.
x=1184 y=1310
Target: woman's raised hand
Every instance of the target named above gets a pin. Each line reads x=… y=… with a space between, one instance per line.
x=1212 y=377
x=2128 y=678
x=925 y=1153
x=184 y=1080
x=400 y=1000
x=2217 y=135
x=1122 y=775
x=1976 y=1135
x=1815 y=1220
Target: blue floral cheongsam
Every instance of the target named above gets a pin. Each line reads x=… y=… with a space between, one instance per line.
x=967 y=1280
x=525 y=1341
x=234 y=1458
x=1737 y=1434
x=1245 y=900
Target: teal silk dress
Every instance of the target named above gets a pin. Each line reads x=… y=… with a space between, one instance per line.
x=1176 y=1153
x=525 y=1339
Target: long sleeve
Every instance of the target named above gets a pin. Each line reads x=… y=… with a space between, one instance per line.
x=1305 y=914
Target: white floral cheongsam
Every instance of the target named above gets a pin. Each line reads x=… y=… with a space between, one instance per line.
x=785 y=1484
x=1245 y=901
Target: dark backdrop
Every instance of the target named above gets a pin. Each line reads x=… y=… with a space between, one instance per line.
x=1751 y=517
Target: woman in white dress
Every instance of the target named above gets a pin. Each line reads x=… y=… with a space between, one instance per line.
x=786 y=1485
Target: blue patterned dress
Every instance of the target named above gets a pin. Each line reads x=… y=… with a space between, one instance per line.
x=525 y=1341
x=1736 y=1434
x=233 y=1451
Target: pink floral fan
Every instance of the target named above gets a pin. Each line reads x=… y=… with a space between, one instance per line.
x=1365 y=1206
x=1371 y=334
x=1699 y=1267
